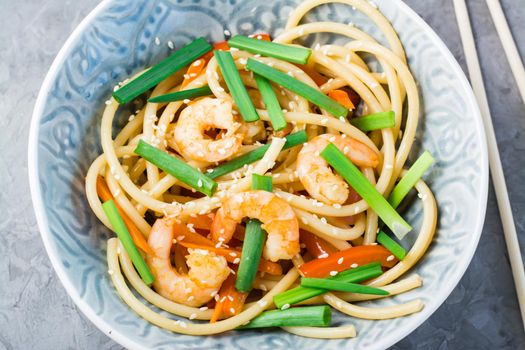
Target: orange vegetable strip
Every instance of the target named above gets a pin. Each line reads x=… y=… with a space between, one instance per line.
x=234 y=300
x=261 y=36
x=341 y=97
x=317 y=77
x=220 y=46
x=201 y=222
x=217 y=311
x=346 y=259
x=193 y=71
x=231 y=255
x=105 y=194
x=230 y=301
x=316 y=245
x=183 y=233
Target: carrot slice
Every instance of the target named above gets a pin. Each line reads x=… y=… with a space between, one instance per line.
x=230 y=301
x=317 y=77
x=346 y=259
x=232 y=255
x=199 y=65
x=341 y=97
x=220 y=46
x=201 y=222
x=316 y=245
x=105 y=194
x=193 y=71
x=261 y=36
x=183 y=233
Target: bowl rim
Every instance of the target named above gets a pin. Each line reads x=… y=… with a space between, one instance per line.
x=102 y=325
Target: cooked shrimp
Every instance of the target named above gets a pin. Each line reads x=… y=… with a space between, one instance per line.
x=277 y=217
x=206 y=270
x=201 y=116
x=317 y=177
x=252 y=132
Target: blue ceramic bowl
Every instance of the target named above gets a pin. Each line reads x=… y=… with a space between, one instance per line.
x=118 y=39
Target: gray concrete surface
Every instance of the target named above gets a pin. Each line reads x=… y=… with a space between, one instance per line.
x=35 y=311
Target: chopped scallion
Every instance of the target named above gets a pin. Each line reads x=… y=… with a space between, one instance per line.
x=311 y=94
x=251 y=255
x=253 y=242
x=162 y=70
x=327 y=284
x=410 y=179
x=261 y=182
x=312 y=316
x=177 y=168
x=182 y=95
x=364 y=188
x=298 y=294
x=123 y=235
x=376 y=121
x=395 y=248
x=237 y=89
x=272 y=104
x=284 y=52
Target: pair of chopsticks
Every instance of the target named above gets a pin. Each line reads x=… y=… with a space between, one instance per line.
x=498 y=179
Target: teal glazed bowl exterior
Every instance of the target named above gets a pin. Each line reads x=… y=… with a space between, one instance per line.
x=119 y=38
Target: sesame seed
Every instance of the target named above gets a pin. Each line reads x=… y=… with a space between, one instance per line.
x=204 y=308
x=111 y=272
x=285 y=306
x=236 y=260
x=108 y=102
x=199 y=183
x=191 y=297
x=333 y=273
x=263 y=287
x=322 y=256
x=227 y=32
x=324 y=221
x=340 y=261
x=232 y=310
x=157 y=41
x=193 y=316
x=337 y=206
x=390 y=258
x=354 y=265
x=170 y=45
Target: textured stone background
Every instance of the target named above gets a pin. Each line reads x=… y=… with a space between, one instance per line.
x=35 y=311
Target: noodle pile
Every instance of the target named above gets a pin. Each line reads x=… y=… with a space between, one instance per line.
x=142 y=189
